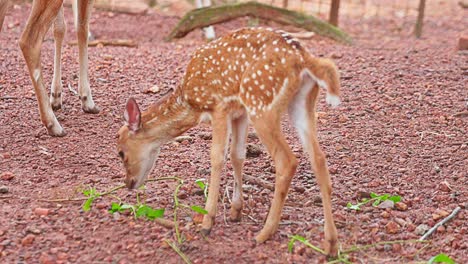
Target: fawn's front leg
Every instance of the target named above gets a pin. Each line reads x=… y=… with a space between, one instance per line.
x=218 y=153
x=239 y=137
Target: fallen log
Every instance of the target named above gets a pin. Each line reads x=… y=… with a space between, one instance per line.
x=202 y=17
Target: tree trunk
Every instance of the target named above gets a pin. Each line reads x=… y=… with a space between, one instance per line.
x=334 y=8
x=203 y=17
x=419 y=21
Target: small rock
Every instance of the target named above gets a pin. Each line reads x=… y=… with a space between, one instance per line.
x=463 y=42
x=336 y=55
x=5 y=155
x=41 y=211
x=7 y=176
x=4 y=189
x=197 y=218
x=445 y=186
x=101 y=206
x=180 y=139
x=401 y=206
x=438 y=214
x=387 y=204
x=253 y=151
x=421 y=229
x=116 y=216
x=396 y=248
x=28 y=240
x=392 y=227
x=152 y=89
x=46 y=259
x=385 y=214
x=441 y=229
x=388 y=247
x=400 y=221
x=182 y=194
x=205 y=135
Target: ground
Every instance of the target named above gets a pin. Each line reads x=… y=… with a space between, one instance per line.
x=401 y=129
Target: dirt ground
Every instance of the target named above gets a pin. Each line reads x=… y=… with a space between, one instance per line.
x=398 y=131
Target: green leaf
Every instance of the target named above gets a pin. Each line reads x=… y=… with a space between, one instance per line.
x=441 y=258
x=155 y=213
x=395 y=198
x=115 y=207
x=198 y=209
x=353 y=206
x=87 y=204
x=148 y=212
x=376 y=202
x=373 y=195
x=142 y=210
x=200 y=184
x=126 y=206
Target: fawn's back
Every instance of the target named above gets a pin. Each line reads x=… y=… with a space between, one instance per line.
x=252 y=68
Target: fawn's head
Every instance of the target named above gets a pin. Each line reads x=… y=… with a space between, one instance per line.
x=136 y=149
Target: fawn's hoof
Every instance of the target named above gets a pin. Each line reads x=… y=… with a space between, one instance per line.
x=56 y=107
x=236 y=215
x=91 y=110
x=331 y=248
x=205 y=231
x=60 y=133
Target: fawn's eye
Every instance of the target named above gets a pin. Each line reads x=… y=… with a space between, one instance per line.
x=121 y=154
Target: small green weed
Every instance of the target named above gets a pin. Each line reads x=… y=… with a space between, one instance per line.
x=375 y=199
x=441 y=258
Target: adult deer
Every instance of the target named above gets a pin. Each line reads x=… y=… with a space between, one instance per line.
x=250 y=75
x=43 y=14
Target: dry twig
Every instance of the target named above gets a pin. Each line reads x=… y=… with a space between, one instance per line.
x=110 y=42
x=259 y=182
x=445 y=220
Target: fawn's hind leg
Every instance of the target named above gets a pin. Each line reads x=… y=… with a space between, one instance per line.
x=302 y=115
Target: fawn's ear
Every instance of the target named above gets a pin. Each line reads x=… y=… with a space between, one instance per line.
x=132 y=115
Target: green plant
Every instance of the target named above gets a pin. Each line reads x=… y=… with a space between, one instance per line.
x=201 y=183
x=441 y=258
x=375 y=199
x=138 y=210
x=92 y=195
x=343 y=254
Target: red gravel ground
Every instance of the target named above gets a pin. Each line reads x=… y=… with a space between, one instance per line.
x=396 y=132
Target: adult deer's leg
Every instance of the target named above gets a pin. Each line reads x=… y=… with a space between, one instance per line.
x=3 y=9
x=42 y=15
x=84 y=91
x=238 y=141
x=218 y=152
x=268 y=129
x=56 y=89
x=303 y=117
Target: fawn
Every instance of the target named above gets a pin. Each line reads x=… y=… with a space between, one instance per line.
x=251 y=75
x=43 y=14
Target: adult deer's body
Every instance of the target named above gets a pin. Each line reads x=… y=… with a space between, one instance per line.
x=251 y=75
x=43 y=14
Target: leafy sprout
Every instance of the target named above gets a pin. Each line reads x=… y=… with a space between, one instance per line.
x=375 y=199
x=441 y=258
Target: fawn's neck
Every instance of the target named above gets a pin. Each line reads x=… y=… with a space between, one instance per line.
x=169 y=117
